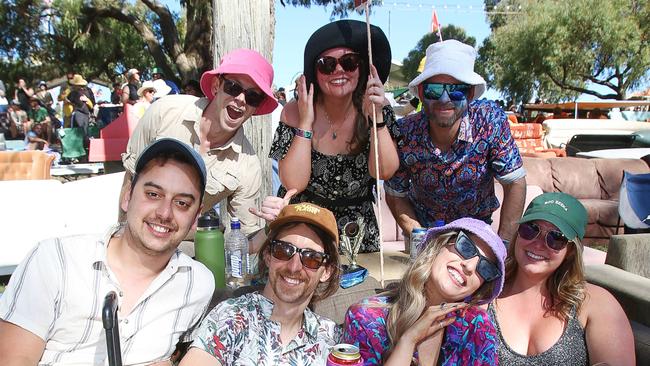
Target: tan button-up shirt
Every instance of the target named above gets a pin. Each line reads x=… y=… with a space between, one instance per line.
x=234 y=171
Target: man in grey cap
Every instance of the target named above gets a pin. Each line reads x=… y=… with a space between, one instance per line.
x=51 y=311
x=451 y=152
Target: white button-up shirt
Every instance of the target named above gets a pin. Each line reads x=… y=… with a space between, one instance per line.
x=58 y=291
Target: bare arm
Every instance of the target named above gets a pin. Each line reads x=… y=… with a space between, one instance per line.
x=403 y=213
x=196 y=356
x=514 y=197
x=18 y=346
x=125 y=94
x=608 y=332
x=295 y=168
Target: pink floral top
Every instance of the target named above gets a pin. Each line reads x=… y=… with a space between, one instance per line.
x=470 y=340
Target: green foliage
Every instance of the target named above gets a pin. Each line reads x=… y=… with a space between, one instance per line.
x=411 y=63
x=556 y=48
x=340 y=8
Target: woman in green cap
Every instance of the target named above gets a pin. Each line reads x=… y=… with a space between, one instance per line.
x=547 y=313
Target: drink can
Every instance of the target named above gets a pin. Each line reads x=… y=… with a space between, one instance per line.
x=344 y=354
x=416 y=241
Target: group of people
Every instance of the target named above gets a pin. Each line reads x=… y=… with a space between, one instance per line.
x=468 y=298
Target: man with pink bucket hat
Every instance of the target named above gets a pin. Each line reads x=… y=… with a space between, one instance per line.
x=236 y=90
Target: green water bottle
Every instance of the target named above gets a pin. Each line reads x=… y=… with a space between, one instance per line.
x=209 y=250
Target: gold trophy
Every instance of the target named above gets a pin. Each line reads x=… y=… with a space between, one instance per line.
x=351 y=238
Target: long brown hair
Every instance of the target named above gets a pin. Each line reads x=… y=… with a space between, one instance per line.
x=565 y=286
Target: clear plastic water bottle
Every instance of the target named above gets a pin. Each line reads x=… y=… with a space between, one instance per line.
x=236 y=256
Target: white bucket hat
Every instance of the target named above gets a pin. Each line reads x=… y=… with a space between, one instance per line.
x=162 y=88
x=145 y=86
x=452 y=58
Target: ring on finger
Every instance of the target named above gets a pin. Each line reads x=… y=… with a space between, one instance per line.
x=442 y=305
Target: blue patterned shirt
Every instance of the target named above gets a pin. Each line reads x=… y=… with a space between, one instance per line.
x=459 y=182
x=240 y=331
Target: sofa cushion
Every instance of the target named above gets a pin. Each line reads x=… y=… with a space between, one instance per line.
x=24 y=165
x=575 y=176
x=538 y=173
x=610 y=174
x=630 y=252
x=602 y=212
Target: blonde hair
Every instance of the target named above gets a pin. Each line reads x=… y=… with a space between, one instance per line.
x=565 y=286
x=408 y=300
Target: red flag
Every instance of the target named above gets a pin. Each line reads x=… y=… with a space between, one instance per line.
x=360 y=4
x=435 y=25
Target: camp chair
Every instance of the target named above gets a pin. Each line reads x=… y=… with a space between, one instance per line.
x=634 y=202
x=111 y=325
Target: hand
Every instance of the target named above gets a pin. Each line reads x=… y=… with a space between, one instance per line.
x=374 y=93
x=83 y=98
x=432 y=321
x=305 y=104
x=271 y=206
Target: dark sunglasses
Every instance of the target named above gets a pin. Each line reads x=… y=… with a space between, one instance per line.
x=467 y=249
x=234 y=89
x=553 y=238
x=349 y=62
x=456 y=92
x=310 y=258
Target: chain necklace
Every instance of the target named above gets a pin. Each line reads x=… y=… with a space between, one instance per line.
x=334 y=132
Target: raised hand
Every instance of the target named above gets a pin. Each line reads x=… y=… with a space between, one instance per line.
x=374 y=93
x=305 y=103
x=272 y=205
x=432 y=321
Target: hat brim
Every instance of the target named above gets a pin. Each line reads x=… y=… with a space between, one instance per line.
x=351 y=34
x=559 y=222
x=268 y=105
x=472 y=78
x=143 y=89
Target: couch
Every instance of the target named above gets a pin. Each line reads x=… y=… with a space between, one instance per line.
x=558 y=132
x=594 y=182
x=626 y=275
x=25 y=165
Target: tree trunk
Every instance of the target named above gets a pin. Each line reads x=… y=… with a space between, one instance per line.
x=248 y=24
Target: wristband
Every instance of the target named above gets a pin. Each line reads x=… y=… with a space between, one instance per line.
x=379 y=125
x=302 y=133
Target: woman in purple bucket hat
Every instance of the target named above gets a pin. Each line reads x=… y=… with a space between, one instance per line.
x=432 y=317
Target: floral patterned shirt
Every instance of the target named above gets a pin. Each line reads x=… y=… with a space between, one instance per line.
x=459 y=182
x=239 y=331
x=470 y=340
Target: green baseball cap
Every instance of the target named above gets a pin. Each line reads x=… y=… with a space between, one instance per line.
x=561 y=210
x=156 y=70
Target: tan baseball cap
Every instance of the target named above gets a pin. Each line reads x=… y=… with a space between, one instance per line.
x=309 y=213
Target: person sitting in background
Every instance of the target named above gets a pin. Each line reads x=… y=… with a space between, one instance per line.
x=548 y=314
x=35 y=138
x=44 y=96
x=17 y=120
x=276 y=326
x=420 y=321
x=192 y=87
x=116 y=94
x=157 y=74
x=146 y=94
x=38 y=115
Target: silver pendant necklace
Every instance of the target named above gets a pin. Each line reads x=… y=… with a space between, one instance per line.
x=327 y=117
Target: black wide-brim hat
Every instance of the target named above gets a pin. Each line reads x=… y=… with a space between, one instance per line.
x=351 y=34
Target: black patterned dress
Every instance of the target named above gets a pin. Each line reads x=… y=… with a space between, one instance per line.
x=340 y=183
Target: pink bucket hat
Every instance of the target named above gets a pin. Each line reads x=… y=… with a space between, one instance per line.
x=245 y=62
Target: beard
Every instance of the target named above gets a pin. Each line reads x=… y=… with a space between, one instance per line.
x=432 y=111
x=293 y=295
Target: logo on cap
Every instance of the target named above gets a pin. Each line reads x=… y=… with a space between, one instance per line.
x=556 y=202
x=305 y=207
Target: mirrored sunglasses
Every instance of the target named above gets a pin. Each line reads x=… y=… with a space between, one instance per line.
x=234 y=89
x=456 y=92
x=467 y=249
x=309 y=258
x=349 y=62
x=554 y=239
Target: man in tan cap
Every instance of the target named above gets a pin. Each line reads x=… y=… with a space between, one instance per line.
x=276 y=326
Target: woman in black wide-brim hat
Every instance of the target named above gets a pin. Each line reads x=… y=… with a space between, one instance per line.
x=324 y=141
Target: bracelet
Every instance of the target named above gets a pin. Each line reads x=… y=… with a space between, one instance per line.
x=379 y=125
x=303 y=133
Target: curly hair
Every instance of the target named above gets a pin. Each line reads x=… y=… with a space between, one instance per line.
x=324 y=289
x=362 y=132
x=565 y=286
x=407 y=301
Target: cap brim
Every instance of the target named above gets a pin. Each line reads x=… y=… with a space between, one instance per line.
x=559 y=222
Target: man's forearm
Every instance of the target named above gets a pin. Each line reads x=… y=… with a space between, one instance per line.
x=403 y=213
x=514 y=198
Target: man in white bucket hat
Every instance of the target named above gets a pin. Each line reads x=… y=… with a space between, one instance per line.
x=451 y=152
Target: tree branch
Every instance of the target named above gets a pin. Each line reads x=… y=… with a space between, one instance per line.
x=167 y=27
x=581 y=89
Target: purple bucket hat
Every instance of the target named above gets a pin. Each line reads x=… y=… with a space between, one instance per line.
x=483 y=231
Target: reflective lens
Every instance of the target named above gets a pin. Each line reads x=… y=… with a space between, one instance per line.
x=554 y=239
x=349 y=62
x=310 y=258
x=456 y=92
x=467 y=249
x=234 y=89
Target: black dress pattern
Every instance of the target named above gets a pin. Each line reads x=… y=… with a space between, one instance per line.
x=340 y=183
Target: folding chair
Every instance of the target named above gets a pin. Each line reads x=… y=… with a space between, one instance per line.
x=111 y=325
x=634 y=202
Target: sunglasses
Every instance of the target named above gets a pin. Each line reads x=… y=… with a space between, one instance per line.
x=554 y=239
x=310 y=258
x=234 y=89
x=467 y=249
x=456 y=92
x=349 y=62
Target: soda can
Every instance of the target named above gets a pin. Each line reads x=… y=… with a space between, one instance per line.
x=344 y=354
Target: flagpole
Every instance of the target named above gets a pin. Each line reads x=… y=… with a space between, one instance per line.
x=376 y=144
